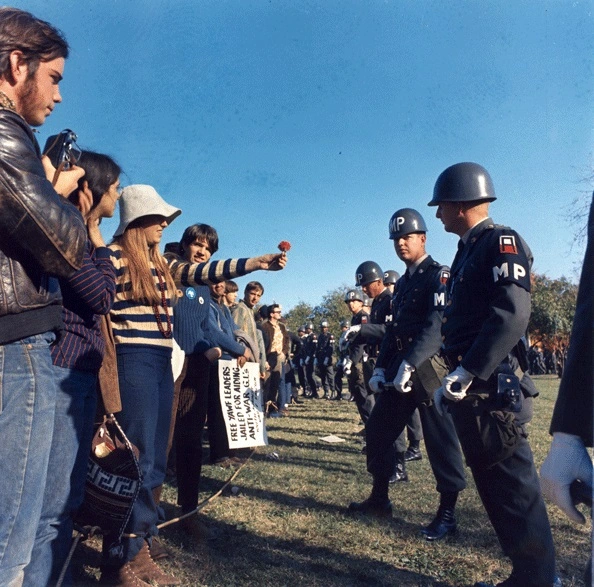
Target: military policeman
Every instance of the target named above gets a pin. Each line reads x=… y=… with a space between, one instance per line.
x=370 y=277
x=353 y=368
x=390 y=279
x=298 y=358
x=324 y=358
x=309 y=357
x=487 y=390
x=343 y=357
x=411 y=339
x=414 y=428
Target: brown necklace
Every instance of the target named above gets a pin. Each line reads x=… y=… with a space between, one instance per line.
x=166 y=333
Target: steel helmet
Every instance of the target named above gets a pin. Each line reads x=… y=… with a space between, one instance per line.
x=309 y=326
x=300 y=329
x=463 y=182
x=406 y=221
x=391 y=277
x=367 y=301
x=324 y=324
x=345 y=323
x=353 y=294
x=368 y=272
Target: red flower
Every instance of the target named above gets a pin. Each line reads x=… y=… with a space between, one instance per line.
x=284 y=246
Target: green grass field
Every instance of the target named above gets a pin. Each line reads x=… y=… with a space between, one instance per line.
x=286 y=521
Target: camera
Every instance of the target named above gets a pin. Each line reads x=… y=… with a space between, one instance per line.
x=508 y=397
x=62 y=151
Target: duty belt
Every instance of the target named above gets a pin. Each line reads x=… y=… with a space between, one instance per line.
x=402 y=343
x=453 y=360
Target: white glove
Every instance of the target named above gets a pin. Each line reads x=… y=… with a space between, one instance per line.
x=326 y=361
x=568 y=460
x=348 y=364
x=402 y=381
x=377 y=380
x=352 y=332
x=456 y=383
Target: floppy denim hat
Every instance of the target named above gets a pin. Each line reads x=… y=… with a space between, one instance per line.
x=143 y=200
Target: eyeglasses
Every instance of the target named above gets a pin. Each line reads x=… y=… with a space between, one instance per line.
x=276 y=312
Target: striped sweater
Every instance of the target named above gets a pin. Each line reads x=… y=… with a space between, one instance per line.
x=134 y=321
x=86 y=295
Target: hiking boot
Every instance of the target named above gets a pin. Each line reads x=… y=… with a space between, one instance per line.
x=121 y=577
x=144 y=567
x=372 y=506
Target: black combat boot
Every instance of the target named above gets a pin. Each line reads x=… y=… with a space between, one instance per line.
x=413 y=453
x=378 y=503
x=400 y=475
x=444 y=522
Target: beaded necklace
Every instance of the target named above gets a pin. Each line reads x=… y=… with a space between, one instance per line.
x=169 y=331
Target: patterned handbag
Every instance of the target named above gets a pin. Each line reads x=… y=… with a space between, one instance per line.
x=113 y=480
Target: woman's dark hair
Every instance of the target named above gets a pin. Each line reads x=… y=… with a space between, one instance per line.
x=201 y=232
x=101 y=171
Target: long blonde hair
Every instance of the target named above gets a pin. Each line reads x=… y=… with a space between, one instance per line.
x=139 y=257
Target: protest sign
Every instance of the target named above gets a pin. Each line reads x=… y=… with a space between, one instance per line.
x=242 y=403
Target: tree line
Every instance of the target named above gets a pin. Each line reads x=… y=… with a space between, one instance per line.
x=553 y=307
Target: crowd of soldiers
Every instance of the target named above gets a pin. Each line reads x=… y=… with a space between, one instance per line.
x=445 y=354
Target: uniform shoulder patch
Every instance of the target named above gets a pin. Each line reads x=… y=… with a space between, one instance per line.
x=444 y=275
x=364 y=319
x=507 y=244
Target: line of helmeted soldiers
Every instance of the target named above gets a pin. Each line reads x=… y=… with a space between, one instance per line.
x=316 y=353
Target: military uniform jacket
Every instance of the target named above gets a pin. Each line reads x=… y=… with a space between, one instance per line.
x=381 y=314
x=417 y=309
x=489 y=298
x=324 y=349
x=356 y=348
x=309 y=347
x=298 y=350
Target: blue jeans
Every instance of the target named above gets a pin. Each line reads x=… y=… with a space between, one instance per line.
x=146 y=389
x=76 y=402
x=27 y=406
x=284 y=392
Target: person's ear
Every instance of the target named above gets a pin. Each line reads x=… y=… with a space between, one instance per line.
x=19 y=68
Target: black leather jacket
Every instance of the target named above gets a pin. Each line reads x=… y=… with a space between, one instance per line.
x=41 y=235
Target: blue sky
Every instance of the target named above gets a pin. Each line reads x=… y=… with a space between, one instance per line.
x=314 y=121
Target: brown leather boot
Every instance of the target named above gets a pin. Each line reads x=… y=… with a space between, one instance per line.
x=197 y=529
x=158 y=550
x=148 y=570
x=121 y=577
